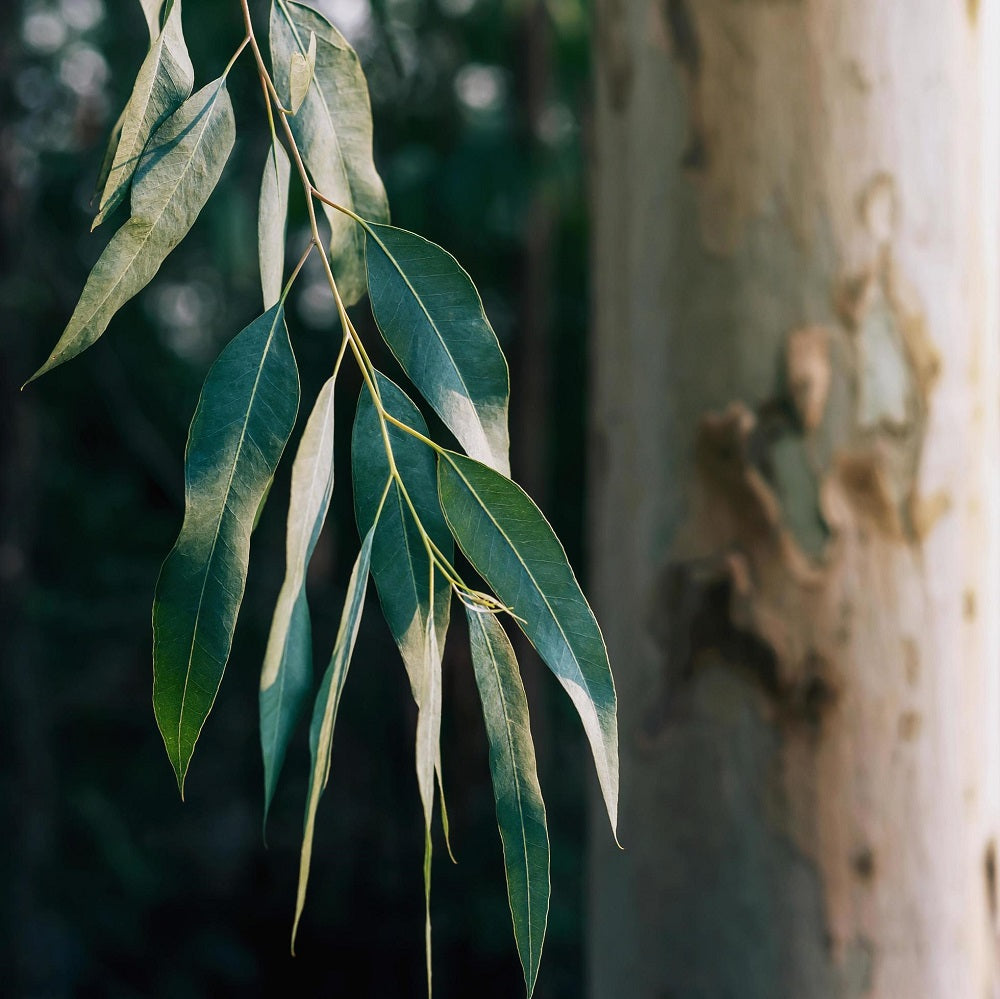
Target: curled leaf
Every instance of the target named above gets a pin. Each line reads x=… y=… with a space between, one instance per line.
x=272 y=220
x=300 y=74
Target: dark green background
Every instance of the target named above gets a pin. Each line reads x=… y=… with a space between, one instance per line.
x=112 y=886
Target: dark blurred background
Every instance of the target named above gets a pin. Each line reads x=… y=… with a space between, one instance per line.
x=112 y=887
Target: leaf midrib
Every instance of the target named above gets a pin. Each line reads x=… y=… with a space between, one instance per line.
x=433 y=325
x=215 y=538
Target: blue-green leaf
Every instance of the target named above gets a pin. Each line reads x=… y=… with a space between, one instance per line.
x=520 y=809
x=287 y=672
x=511 y=545
x=400 y=566
x=272 y=219
x=333 y=130
x=244 y=417
x=164 y=82
x=325 y=712
x=431 y=316
x=178 y=172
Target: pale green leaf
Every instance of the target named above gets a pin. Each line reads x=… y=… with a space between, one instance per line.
x=300 y=74
x=244 y=417
x=178 y=173
x=511 y=545
x=431 y=316
x=164 y=82
x=520 y=809
x=400 y=565
x=428 y=757
x=325 y=712
x=152 y=9
x=287 y=672
x=333 y=130
x=109 y=155
x=272 y=219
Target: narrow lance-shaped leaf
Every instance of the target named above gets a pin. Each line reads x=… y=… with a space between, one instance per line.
x=272 y=219
x=325 y=712
x=520 y=809
x=511 y=545
x=400 y=565
x=301 y=74
x=164 y=82
x=431 y=316
x=333 y=129
x=178 y=173
x=243 y=420
x=428 y=756
x=287 y=672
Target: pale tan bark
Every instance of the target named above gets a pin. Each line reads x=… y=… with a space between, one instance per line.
x=794 y=497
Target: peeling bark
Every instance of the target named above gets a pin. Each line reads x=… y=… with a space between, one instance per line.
x=794 y=497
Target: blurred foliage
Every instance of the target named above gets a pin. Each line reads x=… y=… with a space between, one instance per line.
x=113 y=888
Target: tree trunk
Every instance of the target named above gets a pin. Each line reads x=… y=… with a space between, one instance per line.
x=794 y=510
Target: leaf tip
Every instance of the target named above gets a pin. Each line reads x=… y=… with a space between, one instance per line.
x=47 y=366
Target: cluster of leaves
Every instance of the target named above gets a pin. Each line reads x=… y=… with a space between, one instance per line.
x=414 y=499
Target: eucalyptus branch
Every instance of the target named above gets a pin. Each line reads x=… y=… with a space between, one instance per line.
x=166 y=156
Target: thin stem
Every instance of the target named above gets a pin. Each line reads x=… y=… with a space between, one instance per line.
x=295 y=273
x=415 y=433
x=351 y=338
x=236 y=55
x=320 y=196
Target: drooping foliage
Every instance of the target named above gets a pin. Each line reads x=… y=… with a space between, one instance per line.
x=413 y=497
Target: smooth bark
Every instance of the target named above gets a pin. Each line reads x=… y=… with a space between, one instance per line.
x=794 y=497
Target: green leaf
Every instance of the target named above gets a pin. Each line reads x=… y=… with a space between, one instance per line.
x=431 y=316
x=152 y=9
x=400 y=566
x=511 y=545
x=287 y=672
x=301 y=74
x=165 y=81
x=178 y=173
x=243 y=420
x=272 y=220
x=333 y=130
x=520 y=809
x=325 y=712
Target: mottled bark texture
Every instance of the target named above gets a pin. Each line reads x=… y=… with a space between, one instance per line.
x=794 y=497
